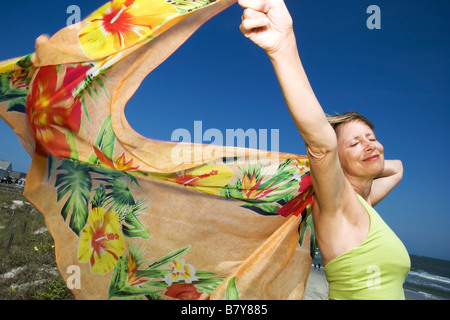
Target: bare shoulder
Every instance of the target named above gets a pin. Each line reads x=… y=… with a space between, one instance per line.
x=342 y=230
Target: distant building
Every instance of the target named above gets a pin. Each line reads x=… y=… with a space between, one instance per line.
x=8 y=176
x=5 y=169
x=18 y=177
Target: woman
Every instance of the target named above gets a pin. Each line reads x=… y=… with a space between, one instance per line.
x=363 y=258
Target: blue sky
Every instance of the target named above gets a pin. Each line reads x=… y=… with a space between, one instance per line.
x=398 y=76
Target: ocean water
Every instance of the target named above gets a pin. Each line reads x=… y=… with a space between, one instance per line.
x=428 y=279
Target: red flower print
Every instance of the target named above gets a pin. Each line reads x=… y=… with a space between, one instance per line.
x=51 y=108
x=183 y=291
x=299 y=203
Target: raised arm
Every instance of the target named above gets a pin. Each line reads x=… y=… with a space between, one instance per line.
x=269 y=24
x=386 y=181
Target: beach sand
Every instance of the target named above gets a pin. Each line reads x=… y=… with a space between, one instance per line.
x=317 y=285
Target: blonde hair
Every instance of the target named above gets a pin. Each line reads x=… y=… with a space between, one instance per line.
x=338 y=119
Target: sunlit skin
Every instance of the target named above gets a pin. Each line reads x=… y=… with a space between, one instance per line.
x=361 y=155
x=343 y=163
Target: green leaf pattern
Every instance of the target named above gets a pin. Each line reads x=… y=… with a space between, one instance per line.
x=14 y=85
x=84 y=184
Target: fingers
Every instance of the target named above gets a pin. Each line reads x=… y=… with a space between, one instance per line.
x=248 y=25
x=256 y=5
x=254 y=15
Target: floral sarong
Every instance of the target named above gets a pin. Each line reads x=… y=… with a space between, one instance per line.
x=141 y=218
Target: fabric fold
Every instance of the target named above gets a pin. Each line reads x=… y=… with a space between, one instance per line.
x=143 y=218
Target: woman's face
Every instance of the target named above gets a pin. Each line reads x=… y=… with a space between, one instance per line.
x=360 y=153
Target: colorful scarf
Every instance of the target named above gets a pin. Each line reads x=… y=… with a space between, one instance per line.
x=142 y=218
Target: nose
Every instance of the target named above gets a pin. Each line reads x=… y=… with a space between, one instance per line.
x=370 y=145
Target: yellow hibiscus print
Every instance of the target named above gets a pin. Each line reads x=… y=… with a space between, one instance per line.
x=101 y=243
x=251 y=184
x=8 y=66
x=208 y=178
x=121 y=23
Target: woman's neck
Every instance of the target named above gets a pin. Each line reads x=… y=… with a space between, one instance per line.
x=361 y=186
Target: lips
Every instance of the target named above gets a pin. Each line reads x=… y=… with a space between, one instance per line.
x=372 y=158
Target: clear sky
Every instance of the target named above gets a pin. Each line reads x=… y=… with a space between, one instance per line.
x=397 y=76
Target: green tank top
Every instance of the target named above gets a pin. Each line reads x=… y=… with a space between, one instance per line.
x=376 y=269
